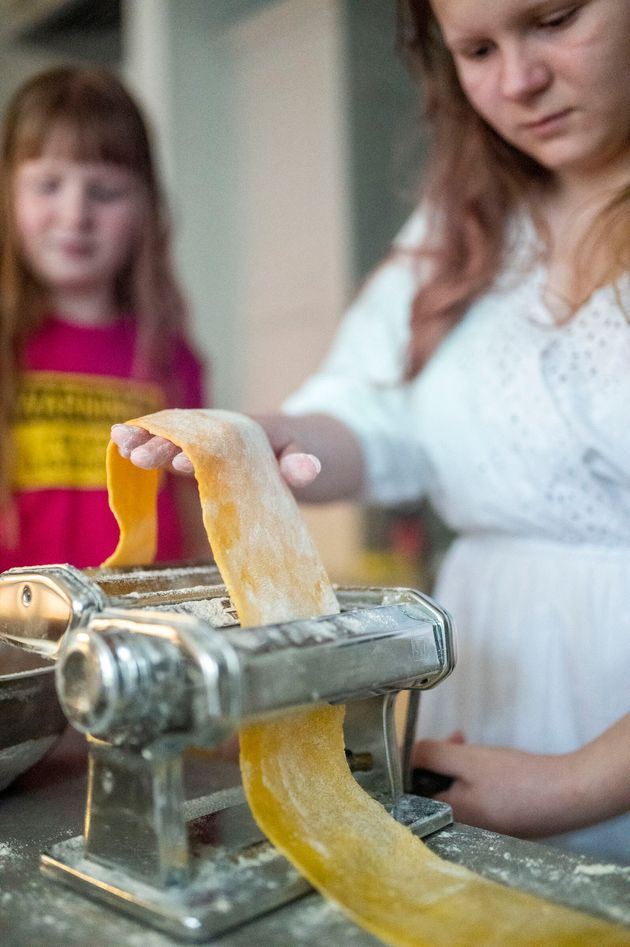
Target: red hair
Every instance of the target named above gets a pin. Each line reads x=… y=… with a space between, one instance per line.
x=473 y=184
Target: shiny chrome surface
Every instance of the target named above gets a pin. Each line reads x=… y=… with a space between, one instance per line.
x=147 y=683
x=45 y=602
x=31 y=719
x=125 y=661
x=150 y=663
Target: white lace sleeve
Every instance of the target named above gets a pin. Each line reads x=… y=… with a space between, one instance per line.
x=359 y=382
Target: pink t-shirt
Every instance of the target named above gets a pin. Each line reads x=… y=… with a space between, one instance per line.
x=77 y=383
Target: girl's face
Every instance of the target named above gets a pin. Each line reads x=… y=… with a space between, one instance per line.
x=77 y=222
x=552 y=77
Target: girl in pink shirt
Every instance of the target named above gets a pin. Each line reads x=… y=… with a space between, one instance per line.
x=92 y=321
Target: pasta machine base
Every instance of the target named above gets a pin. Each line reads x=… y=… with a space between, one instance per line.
x=231 y=884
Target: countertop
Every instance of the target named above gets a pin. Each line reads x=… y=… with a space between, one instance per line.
x=46 y=805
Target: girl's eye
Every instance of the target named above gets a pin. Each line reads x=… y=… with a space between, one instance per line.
x=45 y=185
x=477 y=51
x=480 y=52
x=473 y=49
x=557 y=20
x=106 y=193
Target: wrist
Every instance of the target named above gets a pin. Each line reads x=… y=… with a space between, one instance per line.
x=602 y=775
x=579 y=794
x=561 y=795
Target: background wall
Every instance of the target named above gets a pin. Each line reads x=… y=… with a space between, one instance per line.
x=281 y=125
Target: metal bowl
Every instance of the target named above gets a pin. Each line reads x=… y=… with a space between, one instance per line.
x=31 y=719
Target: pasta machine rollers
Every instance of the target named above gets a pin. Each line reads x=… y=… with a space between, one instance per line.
x=151 y=663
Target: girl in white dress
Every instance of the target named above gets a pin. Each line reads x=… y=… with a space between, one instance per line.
x=486 y=365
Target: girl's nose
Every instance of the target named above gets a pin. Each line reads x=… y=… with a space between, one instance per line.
x=524 y=72
x=76 y=208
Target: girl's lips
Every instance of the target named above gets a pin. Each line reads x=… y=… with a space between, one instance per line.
x=549 y=124
x=75 y=248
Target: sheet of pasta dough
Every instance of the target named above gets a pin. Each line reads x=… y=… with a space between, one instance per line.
x=295 y=774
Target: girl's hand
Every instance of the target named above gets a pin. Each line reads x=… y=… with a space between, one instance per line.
x=530 y=794
x=147 y=451
x=298 y=468
x=508 y=791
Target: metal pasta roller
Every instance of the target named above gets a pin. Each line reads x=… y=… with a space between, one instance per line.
x=152 y=663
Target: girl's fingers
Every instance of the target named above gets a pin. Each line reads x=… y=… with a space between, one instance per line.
x=182 y=464
x=457 y=736
x=156 y=452
x=127 y=437
x=439 y=755
x=146 y=451
x=299 y=469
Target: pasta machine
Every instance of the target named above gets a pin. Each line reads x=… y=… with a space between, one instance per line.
x=150 y=663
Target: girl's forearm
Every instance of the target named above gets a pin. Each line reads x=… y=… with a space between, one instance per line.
x=603 y=771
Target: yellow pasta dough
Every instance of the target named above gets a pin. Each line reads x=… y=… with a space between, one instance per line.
x=260 y=542
x=294 y=770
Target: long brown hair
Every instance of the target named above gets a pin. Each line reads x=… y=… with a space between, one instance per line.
x=100 y=121
x=473 y=183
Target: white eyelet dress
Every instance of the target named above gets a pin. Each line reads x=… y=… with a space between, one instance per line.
x=518 y=431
